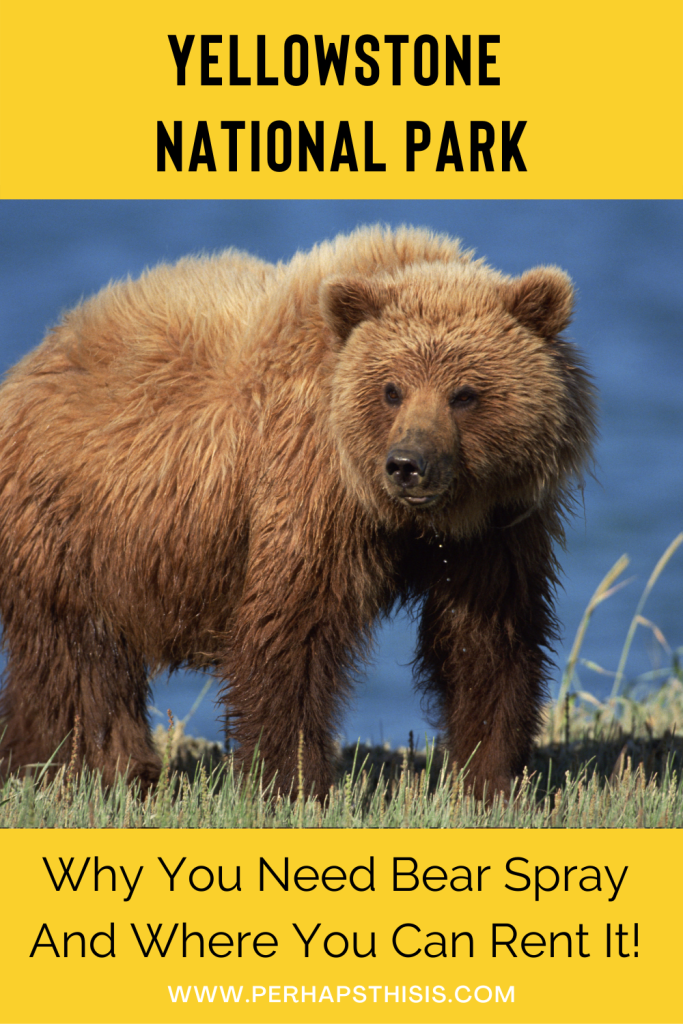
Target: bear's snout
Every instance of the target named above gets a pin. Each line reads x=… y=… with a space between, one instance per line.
x=406 y=468
x=415 y=470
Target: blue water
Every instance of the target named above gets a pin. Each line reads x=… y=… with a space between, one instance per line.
x=626 y=259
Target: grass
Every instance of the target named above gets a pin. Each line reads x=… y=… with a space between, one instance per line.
x=630 y=796
x=609 y=764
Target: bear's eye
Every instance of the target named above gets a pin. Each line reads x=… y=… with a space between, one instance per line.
x=392 y=395
x=463 y=398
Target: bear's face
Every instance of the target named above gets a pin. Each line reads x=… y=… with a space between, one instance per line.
x=452 y=393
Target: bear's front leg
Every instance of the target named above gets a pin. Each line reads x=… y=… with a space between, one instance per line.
x=281 y=706
x=283 y=697
x=485 y=624
x=291 y=648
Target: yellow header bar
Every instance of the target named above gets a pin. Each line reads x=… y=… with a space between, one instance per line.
x=355 y=101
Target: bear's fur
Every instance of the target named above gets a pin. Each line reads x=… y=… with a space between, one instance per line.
x=238 y=466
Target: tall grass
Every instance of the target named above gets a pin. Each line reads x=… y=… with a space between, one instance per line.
x=617 y=702
x=220 y=799
x=611 y=763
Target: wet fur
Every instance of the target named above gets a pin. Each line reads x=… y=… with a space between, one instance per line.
x=192 y=472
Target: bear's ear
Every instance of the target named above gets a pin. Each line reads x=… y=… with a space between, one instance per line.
x=542 y=300
x=346 y=302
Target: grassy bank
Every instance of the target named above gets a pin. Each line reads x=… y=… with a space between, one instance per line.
x=606 y=770
x=615 y=763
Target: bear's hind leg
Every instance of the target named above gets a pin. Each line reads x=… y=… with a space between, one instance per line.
x=76 y=694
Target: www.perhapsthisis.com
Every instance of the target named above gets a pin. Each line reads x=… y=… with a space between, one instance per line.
x=298 y=994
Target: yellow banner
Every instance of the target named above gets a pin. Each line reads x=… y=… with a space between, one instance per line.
x=357 y=100
x=409 y=925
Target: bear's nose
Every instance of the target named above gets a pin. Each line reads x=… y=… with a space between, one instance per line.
x=407 y=469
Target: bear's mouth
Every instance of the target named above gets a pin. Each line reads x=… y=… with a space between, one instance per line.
x=421 y=500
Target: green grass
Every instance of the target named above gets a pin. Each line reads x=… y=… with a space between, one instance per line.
x=615 y=763
x=550 y=795
x=612 y=767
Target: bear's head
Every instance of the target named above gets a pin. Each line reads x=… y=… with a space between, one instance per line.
x=453 y=392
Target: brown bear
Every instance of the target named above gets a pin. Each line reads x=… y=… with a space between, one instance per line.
x=241 y=467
